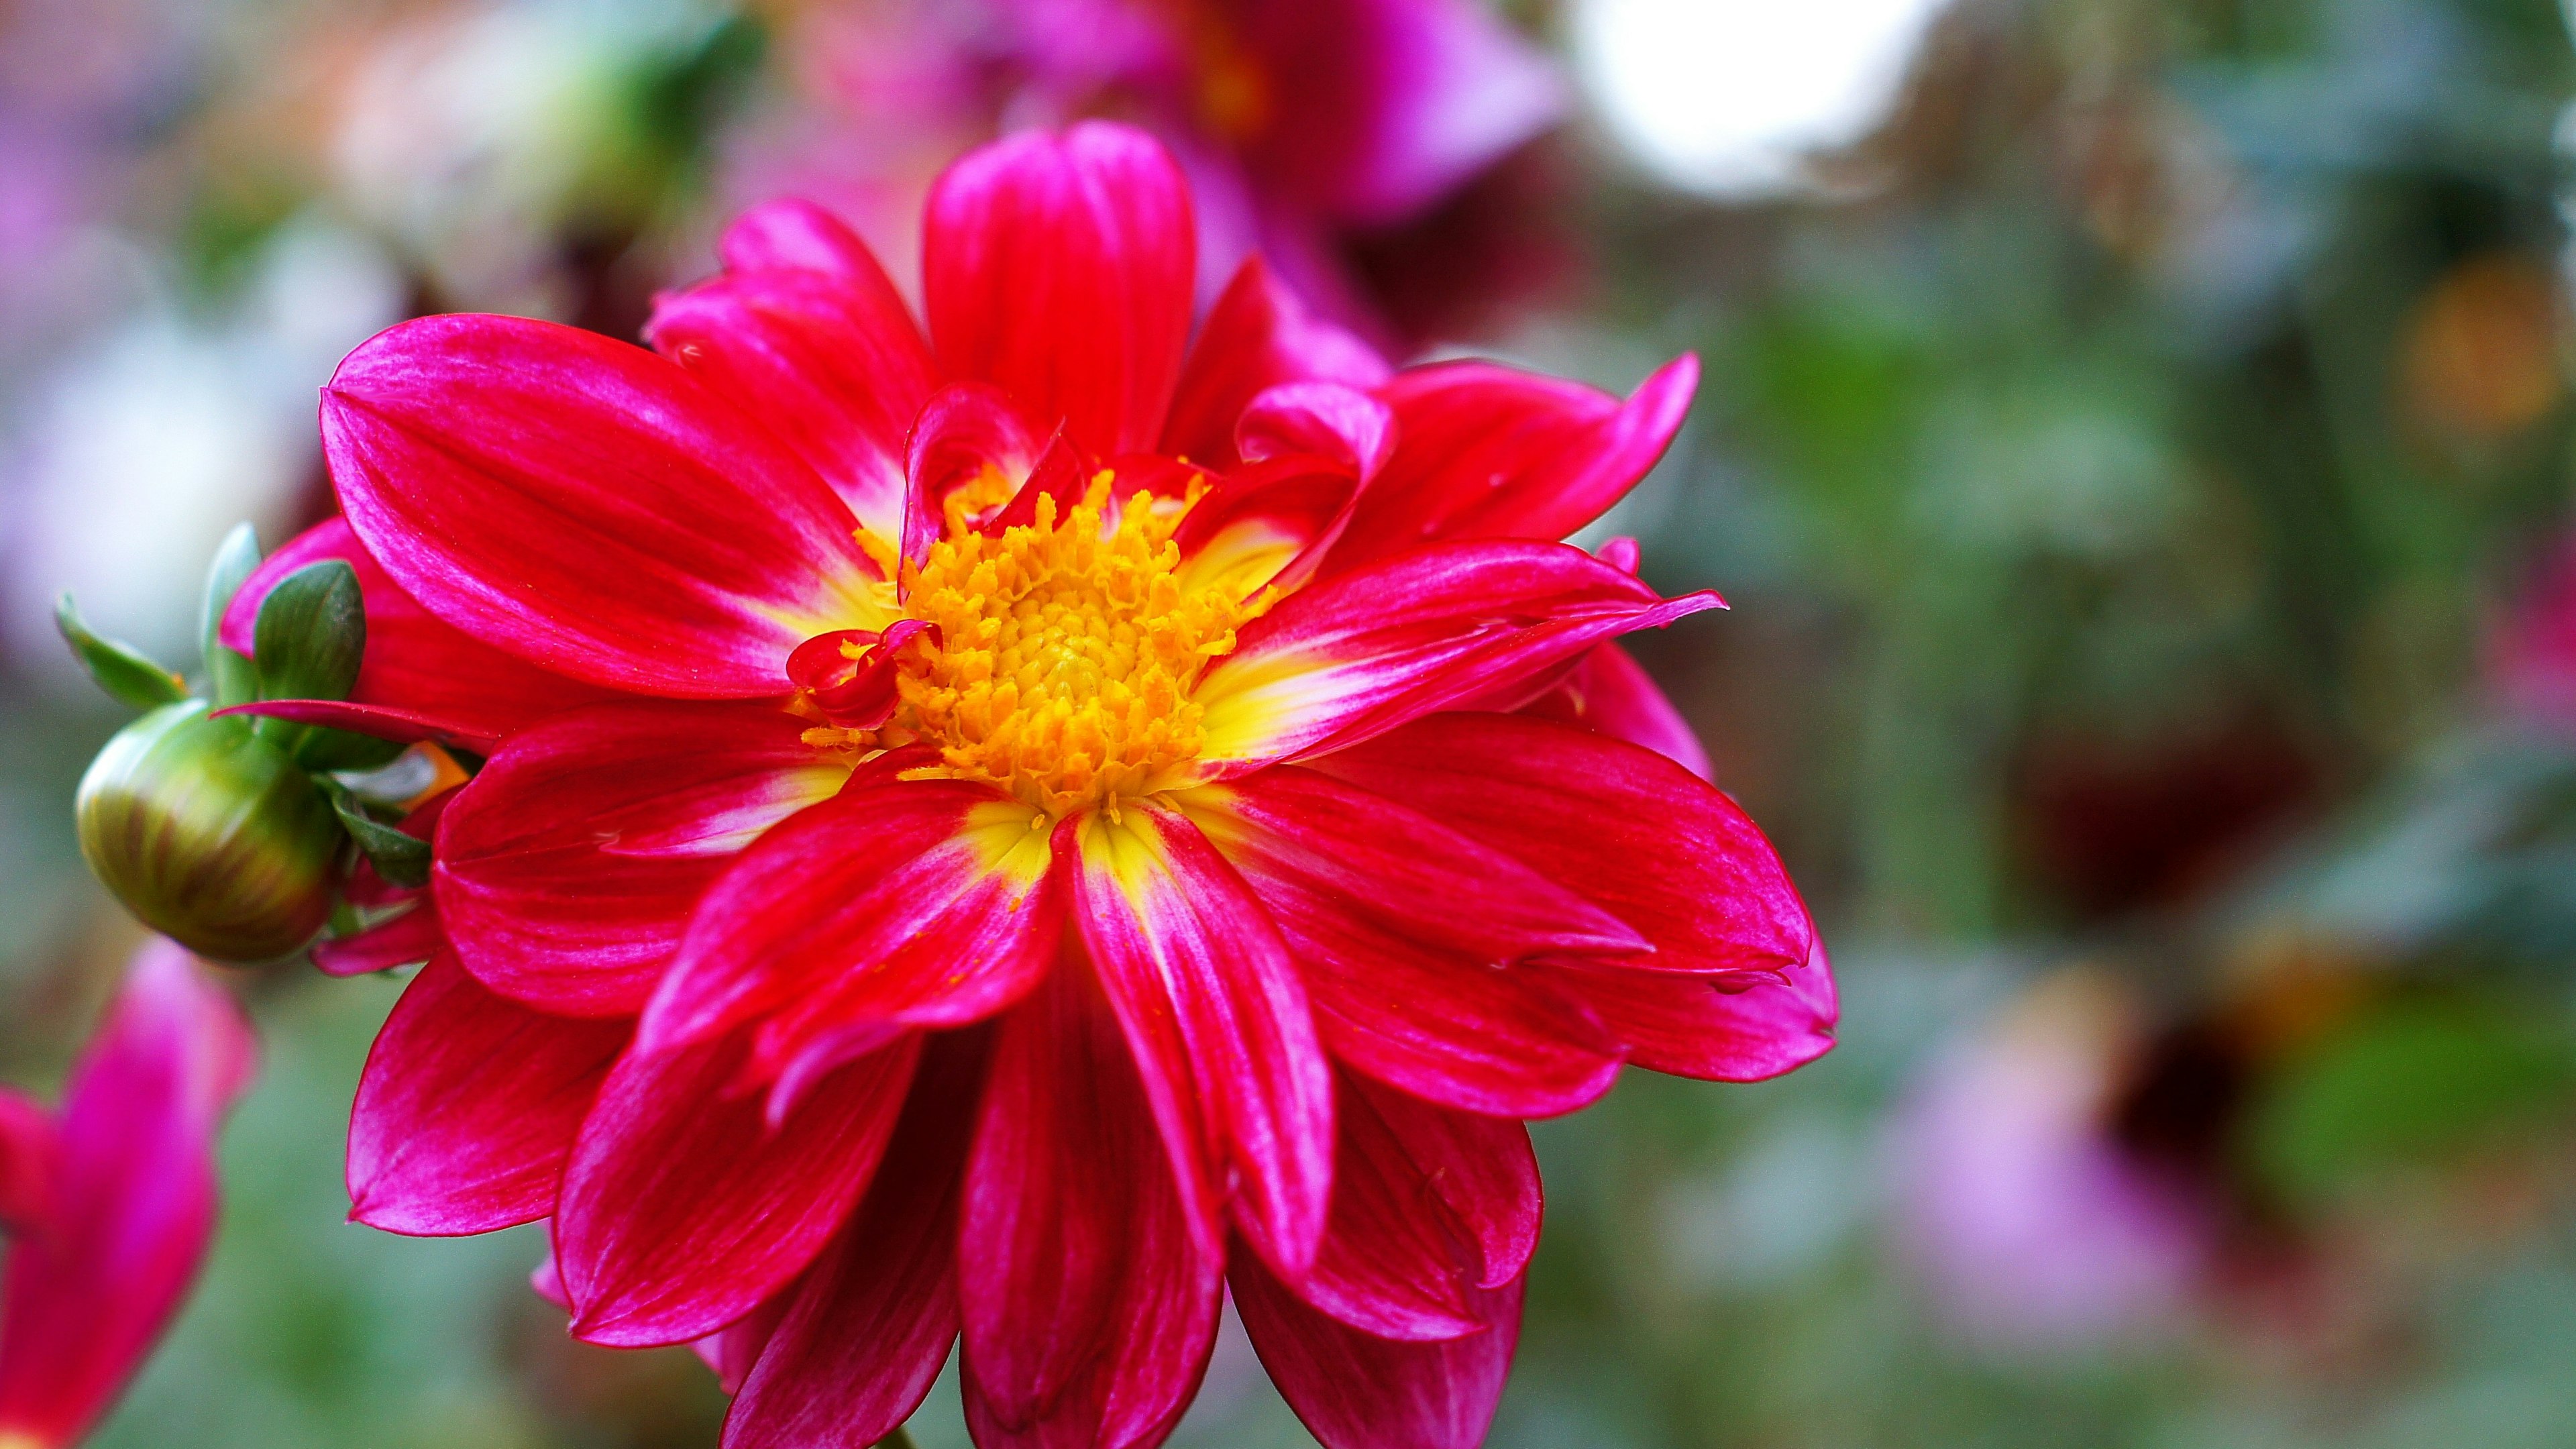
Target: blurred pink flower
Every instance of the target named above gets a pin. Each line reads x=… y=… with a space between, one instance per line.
x=2532 y=653
x=1301 y=123
x=111 y=1202
x=2034 y=1229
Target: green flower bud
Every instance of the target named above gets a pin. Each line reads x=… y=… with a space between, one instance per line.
x=210 y=834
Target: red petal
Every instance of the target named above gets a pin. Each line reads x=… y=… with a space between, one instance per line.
x=1488 y=452
x=1089 y=1302
x=29 y=1150
x=1354 y=1390
x=911 y=904
x=1364 y=652
x=1258 y=334
x=1060 y=268
x=132 y=1199
x=1719 y=1031
x=829 y=361
x=870 y=1324
x=468 y=1107
x=588 y=506
x=1214 y=1012
x=1656 y=846
x=415 y=665
x=1266 y=524
x=1429 y=1206
x=566 y=871
x=406 y=940
x=1612 y=693
x=1402 y=971
x=682 y=1209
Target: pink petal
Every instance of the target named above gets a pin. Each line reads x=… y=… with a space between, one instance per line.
x=871 y=1322
x=29 y=1151
x=414 y=664
x=682 y=1209
x=566 y=871
x=1734 y=1030
x=1362 y=653
x=588 y=506
x=1644 y=838
x=1214 y=1012
x=829 y=361
x=1612 y=693
x=1354 y=1390
x=131 y=1202
x=380 y=721
x=903 y=905
x=733 y=1351
x=1089 y=1300
x=468 y=1107
x=795 y=234
x=1429 y=1207
x=1266 y=524
x=1488 y=452
x=1258 y=335
x=1414 y=997
x=1060 y=267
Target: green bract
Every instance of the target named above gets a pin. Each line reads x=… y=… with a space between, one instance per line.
x=210 y=834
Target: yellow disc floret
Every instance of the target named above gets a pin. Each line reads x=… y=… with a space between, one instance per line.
x=1067 y=651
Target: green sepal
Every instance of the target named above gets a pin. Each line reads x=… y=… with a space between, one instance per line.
x=312 y=632
x=401 y=859
x=119 y=668
x=230 y=678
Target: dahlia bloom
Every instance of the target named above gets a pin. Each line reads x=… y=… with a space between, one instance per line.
x=111 y=1200
x=1302 y=124
x=1008 y=833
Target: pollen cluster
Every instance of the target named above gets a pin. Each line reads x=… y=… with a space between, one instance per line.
x=1066 y=652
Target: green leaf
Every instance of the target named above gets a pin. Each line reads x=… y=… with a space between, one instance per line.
x=399 y=858
x=121 y=669
x=230 y=678
x=312 y=631
x=330 y=750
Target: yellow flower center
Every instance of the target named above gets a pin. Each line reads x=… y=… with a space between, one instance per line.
x=1067 y=652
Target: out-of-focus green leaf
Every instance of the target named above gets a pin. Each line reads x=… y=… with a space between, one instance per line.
x=121 y=669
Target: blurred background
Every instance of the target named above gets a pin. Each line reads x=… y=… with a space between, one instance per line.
x=2136 y=444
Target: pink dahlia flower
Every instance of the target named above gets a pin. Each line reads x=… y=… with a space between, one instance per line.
x=110 y=1201
x=1303 y=124
x=1012 y=831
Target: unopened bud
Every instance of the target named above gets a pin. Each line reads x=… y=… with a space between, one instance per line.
x=210 y=834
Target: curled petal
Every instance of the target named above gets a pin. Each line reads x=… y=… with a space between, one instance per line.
x=849 y=674
x=468 y=1107
x=1361 y=653
x=131 y=1200
x=549 y=492
x=1089 y=1297
x=969 y=433
x=1488 y=452
x=682 y=1209
x=1258 y=335
x=1059 y=267
x=1637 y=834
x=1266 y=525
x=380 y=721
x=565 y=873
x=420 y=678
x=1325 y=419
x=1214 y=1012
